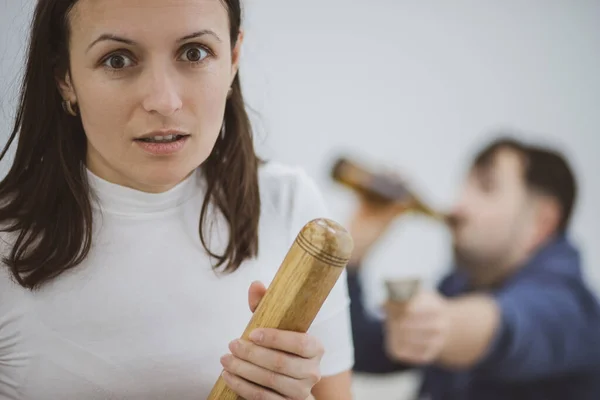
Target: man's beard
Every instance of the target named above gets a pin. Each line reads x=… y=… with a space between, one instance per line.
x=478 y=265
x=483 y=264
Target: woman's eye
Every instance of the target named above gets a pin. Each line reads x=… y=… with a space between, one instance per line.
x=118 y=61
x=194 y=54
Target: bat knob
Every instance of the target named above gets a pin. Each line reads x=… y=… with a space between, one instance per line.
x=327 y=241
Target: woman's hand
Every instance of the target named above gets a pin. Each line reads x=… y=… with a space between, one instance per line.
x=274 y=364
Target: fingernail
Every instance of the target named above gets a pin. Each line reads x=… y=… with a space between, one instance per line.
x=226 y=360
x=234 y=345
x=256 y=336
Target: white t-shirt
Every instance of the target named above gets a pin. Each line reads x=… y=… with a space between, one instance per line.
x=145 y=316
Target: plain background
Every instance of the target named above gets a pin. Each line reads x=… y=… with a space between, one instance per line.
x=415 y=85
x=420 y=86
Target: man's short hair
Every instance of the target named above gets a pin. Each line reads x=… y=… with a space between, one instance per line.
x=545 y=170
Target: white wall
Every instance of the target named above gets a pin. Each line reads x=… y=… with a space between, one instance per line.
x=14 y=20
x=414 y=84
x=419 y=85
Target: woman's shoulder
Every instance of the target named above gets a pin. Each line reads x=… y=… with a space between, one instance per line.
x=6 y=240
x=290 y=197
x=290 y=191
x=275 y=175
x=9 y=288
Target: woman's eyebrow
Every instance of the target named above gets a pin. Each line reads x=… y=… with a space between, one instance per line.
x=115 y=38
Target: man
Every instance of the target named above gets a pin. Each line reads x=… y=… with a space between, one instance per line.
x=514 y=319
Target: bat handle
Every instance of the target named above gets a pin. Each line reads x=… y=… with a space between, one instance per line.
x=301 y=285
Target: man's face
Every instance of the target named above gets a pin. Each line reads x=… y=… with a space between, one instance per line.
x=493 y=217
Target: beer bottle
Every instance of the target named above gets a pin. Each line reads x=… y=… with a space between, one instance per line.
x=379 y=187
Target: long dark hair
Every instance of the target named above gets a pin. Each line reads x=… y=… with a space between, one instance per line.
x=45 y=199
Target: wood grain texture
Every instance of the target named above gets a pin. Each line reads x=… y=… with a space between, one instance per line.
x=305 y=278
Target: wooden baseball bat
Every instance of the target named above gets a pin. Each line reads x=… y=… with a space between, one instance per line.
x=305 y=278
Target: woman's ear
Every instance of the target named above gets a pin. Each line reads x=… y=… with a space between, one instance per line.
x=65 y=86
x=236 y=55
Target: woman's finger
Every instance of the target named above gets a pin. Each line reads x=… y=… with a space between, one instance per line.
x=255 y=294
x=276 y=360
x=284 y=385
x=249 y=390
x=301 y=344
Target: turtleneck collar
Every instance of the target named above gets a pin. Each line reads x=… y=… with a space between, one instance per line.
x=123 y=200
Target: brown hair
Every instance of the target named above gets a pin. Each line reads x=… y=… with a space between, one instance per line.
x=45 y=198
x=545 y=170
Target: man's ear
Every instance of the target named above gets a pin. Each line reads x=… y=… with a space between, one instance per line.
x=236 y=55
x=547 y=217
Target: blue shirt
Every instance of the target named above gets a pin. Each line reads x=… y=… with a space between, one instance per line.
x=547 y=348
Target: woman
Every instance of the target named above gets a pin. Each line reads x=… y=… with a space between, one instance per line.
x=136 y=217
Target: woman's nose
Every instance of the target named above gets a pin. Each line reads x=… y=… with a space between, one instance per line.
x=162 y=93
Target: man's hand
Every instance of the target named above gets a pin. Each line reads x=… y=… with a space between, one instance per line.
x=417 y=331
x=431 y=329
x=370 y=221
x=274 y=364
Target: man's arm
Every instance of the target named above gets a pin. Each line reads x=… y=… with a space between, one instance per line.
x=532 y=330
x=368 y=334
x=472 y=325
x=548 y=327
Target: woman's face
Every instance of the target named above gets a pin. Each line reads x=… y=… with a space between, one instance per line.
x=141 y=71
